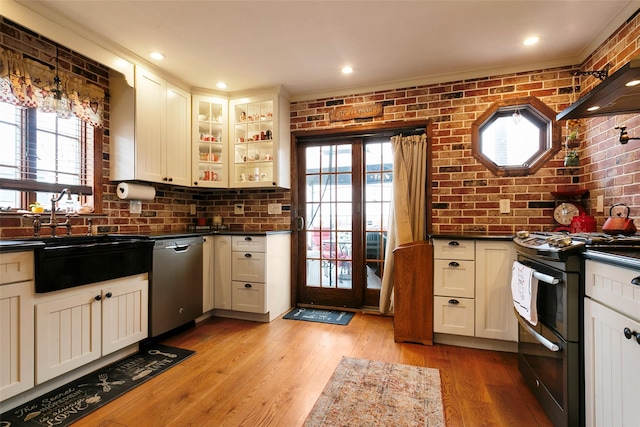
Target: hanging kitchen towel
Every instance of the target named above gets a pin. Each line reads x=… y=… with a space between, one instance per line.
x=524 y=289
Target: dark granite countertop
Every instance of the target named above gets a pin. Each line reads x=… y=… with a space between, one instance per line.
x=474 y=235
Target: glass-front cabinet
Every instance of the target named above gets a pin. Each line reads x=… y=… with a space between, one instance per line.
x=210 y=142
x=259 y=128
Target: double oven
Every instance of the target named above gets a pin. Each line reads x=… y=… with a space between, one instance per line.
x=551 y=353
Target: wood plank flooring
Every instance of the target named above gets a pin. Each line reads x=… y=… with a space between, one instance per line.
x=258 y=374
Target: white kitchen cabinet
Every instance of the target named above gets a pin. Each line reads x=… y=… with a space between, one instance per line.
x=494 y=303
x=210 y=142
x=222 y=272
x=454 y=286
x=208 y=292
x=472 y=288
x=261 y=141
x=79 y=325
x=255 y=281
x=611 y=346
x=150 y=130
x=16 y=323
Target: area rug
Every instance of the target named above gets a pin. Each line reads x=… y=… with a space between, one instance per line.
x=69 y=403
x=322 y=316
x=367 y=393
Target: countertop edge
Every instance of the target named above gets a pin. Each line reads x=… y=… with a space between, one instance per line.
x=471 y=236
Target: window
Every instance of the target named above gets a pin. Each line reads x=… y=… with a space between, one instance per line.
x=515 y=138
x=41 y=154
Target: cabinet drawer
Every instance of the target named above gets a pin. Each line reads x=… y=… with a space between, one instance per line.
x=453 y=315
x=249 y=243
x=248 y=266
x=250 y=297
x=611 y=285
x=16 y=267
x=454 y=278
x=454 y=249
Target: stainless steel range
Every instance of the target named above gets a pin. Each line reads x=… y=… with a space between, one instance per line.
x=551 y=354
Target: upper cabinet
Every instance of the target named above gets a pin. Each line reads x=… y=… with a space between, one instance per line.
x=261 y=140
x=210 y=146
x=150 y=130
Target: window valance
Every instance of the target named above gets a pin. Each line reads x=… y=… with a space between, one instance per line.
x=28 y=83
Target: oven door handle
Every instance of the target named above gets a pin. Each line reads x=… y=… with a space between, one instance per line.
x=546 y=278
x=542 y=340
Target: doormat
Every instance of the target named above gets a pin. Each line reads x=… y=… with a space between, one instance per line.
x=69 y=403
x=333 y=317
x=370 y=393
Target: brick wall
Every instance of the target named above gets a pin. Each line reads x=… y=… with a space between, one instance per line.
x=170 y=210
x=465 y=194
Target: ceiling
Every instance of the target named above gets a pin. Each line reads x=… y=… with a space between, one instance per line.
x=303 y=45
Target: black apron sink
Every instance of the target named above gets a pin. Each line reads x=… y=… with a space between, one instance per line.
x=66 y=262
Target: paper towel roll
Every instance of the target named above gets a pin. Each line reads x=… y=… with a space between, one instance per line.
x=128 y=191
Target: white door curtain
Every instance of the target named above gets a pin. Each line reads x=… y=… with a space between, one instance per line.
x=407 y=216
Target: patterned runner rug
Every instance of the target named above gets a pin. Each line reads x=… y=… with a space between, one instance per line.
x=69 y=403
x=368 y=393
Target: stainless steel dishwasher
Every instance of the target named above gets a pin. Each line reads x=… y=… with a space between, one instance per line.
x=176 y=283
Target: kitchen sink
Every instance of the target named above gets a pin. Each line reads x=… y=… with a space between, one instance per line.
x=66 y=262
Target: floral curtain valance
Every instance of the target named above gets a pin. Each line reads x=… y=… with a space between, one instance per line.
x=28 y=83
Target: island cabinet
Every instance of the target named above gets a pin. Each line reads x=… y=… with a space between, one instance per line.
x=611 y=344
x=261 y=141
x=252 y=276
x=150 y=130
x=16 y=323
x=79 y=325
x=472 y=293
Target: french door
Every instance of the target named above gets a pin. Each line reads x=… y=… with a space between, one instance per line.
x=343 y=197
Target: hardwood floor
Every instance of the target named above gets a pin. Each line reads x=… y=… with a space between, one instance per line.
x=258 y=374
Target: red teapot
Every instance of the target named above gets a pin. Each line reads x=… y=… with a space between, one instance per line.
x=583 y=223
x=619 y=224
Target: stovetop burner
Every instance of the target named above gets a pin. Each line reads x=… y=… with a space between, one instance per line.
x=557 y=245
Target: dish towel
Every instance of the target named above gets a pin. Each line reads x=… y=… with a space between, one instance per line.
x=524 y=289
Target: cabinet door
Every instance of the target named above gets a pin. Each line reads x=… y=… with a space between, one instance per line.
x=68 y=332
x=178 y=141
x=249 y=297
x=453 y=315
x=494 y=303
x=222 y=272
x=248 y=266
x=210 y=142
x=16 y=338
x=150 y=140
x=207 y=274
x=125 y=312
x=612 y=380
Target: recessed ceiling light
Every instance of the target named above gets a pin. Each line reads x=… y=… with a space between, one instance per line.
x=156 y=55
x=632 y=83
x=221 y=85
x=347 y=70
x=594 y=108
x=531 y=40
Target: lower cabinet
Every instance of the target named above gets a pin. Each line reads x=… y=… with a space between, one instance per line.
x=252 y=275
x=611 y=344
x=208 y=291
x=16 y=323
x=472 y=288
x=79 y=325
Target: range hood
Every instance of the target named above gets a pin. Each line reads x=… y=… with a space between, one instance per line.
x=612 y=95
